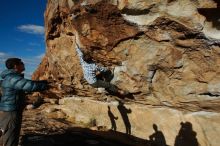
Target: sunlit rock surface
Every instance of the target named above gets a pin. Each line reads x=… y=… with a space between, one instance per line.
x=175 y=43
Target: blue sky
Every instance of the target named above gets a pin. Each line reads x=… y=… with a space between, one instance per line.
x=22 y=32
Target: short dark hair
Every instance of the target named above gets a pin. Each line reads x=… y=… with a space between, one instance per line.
x=11 y=62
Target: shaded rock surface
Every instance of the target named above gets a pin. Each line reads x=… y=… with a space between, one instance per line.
x=165 y=52
x=54 y=128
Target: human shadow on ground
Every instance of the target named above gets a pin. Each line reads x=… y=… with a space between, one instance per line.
x=186 y=136
x=157 y=138
x=112 y=119
x=124 y=114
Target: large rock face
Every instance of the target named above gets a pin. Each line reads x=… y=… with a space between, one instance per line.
x=172 y=43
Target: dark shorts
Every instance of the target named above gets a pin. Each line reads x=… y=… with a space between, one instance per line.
x=103 y=84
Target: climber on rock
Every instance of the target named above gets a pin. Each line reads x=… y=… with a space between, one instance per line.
x=97 y=76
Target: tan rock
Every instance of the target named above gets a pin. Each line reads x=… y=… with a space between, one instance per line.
x=179 y=39
x=141 y=119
